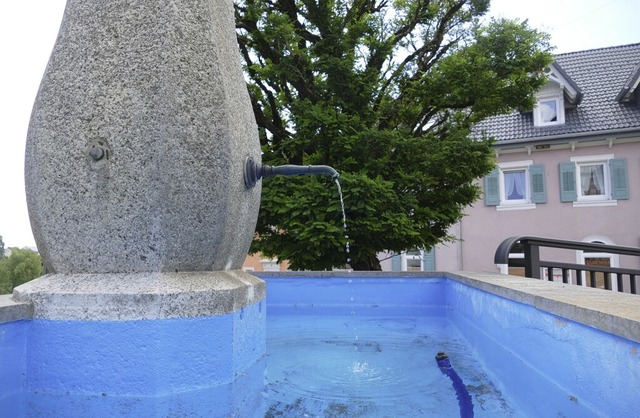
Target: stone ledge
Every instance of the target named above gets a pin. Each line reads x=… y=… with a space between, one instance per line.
x=140 y=296
x=11 y=310
x=613 y=312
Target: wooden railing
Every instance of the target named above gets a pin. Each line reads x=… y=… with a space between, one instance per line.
x=626 y=280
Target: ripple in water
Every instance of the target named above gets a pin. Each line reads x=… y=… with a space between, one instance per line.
x=315 y=368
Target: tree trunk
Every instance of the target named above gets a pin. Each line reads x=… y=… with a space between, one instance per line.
x=368 y=262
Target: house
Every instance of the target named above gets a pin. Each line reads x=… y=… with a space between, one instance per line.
x=569 y=169
x=258 y=262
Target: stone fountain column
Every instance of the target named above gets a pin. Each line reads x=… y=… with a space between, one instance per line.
x=134 y=175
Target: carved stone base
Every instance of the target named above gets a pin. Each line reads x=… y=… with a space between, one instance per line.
x=156 y=344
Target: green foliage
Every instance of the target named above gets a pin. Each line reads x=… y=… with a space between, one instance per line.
x=386 y=93
x=20 y=267
x=1 y=248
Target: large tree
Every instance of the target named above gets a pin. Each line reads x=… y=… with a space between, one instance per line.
x=20 y=267
x=386 y=92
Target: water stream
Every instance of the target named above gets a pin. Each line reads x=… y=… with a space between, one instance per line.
x=344 y=225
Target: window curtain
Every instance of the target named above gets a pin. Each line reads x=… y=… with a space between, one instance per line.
x=589 y=173
x=514 y=185
x=548 y=111
x=598 y=178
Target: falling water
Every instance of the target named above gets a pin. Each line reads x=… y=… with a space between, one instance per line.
x=358 y=367
x=344 y=224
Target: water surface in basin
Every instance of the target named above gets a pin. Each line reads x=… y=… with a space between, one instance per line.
x=371 y=366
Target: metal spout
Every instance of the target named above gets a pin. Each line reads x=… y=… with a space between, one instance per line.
x=254 y=171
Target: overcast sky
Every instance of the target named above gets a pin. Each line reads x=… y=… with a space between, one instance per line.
x=28 y=30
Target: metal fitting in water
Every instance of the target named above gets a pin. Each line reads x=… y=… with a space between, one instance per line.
x=464 y=399
x=442 y=359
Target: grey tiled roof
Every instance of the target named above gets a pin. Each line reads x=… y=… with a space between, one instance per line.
x=601 y=74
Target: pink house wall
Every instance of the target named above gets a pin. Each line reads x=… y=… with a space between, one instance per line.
x=484 y=227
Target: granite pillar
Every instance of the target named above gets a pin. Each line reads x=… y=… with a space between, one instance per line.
x=134 y=175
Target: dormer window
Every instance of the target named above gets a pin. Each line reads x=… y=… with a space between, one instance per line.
x=559 y=92
x=549 y=111
x=629 y=93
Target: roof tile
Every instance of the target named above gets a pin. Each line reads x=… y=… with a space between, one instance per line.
x=601 y=74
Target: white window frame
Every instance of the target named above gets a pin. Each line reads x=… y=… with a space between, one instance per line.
x=270 y=264
x=506 y=204
x=596 y=200
x=614 y=259
x=537 y=111
x=504 y=268
x=407 y=257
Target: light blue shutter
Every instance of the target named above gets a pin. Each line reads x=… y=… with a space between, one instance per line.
x=618 y=173
x=538 y=183
x=396 y=262
x=429 y=260
x=491 y=188
x=568 y=192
